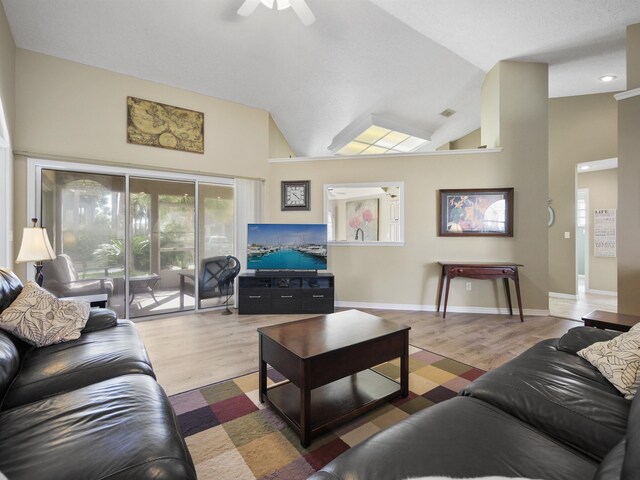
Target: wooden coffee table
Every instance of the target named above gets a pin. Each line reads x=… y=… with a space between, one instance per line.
x=326 y=361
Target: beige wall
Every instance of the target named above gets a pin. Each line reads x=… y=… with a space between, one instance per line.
x=74 y=110
x=490 y=109
x=628 y=217
x=628 y=192
x=408 y=275
x=581 y=129
x=7 y=101
x=7 y=71
x=603 y=193
x=633 y=62
x=278 y=145
x=469 y=141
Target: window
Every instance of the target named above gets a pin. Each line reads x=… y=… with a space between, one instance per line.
x=581 y=212
x=364 y=213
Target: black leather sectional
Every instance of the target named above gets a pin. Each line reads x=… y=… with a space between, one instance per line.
x=85 y=409
x=547 y=414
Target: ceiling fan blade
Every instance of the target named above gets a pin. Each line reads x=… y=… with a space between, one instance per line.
x=303 y=11
x=248 y=7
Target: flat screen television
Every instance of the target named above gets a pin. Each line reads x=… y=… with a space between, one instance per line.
x=286 y=246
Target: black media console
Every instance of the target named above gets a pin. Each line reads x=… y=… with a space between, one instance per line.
x=285 y=292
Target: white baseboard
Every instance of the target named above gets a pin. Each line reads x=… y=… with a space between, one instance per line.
x=568 y=296
x=450 y=308
x=603 y=292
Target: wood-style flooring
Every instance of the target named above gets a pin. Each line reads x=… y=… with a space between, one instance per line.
x=190 y=351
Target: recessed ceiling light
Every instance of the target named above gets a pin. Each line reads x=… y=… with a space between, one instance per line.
x=608 y=78
x=585 y=167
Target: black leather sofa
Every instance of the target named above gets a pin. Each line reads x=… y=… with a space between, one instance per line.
x=85 y=409
x=547 y=414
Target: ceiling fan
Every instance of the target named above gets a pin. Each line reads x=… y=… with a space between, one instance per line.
x=299 y=6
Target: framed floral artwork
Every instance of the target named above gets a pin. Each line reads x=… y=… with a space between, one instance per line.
x=476 y=212
x=362 y=220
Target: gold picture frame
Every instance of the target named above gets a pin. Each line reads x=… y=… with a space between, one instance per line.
x=165 y=126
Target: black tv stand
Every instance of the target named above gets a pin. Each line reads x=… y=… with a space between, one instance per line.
x=285 y=292
x=286 y=273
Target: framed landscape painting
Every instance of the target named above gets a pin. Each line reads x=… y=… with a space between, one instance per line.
x=476 y=212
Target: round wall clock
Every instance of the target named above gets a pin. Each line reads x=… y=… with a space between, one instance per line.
x=295 y=195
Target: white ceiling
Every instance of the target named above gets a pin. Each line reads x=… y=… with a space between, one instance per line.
x=404 y=60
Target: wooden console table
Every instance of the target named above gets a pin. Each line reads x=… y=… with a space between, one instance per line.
x=483 y=271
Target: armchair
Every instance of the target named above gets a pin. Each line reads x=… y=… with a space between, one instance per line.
x=61 y=279
x=215 y=280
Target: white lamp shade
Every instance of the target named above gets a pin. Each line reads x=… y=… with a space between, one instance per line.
x=35 y=246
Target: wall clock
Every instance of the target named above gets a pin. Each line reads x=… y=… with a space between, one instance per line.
x=295 y=195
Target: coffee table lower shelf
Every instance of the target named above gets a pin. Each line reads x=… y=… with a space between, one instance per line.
x=336 y=402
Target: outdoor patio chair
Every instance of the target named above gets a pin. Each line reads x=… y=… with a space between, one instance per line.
x=216 y=278
x=61 y=279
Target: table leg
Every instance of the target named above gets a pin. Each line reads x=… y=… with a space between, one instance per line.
x=439 y=295
x=446 y=297
x=517 y=282
x=262 y=373
x=305 y=410
x=404 y=366
x=508 y=292
x=182 y=291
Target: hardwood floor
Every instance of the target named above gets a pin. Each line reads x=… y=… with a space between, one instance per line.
x=191 y=351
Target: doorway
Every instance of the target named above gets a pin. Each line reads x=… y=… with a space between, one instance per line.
x=595 y=234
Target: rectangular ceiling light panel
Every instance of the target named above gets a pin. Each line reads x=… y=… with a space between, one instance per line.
x=377 y=140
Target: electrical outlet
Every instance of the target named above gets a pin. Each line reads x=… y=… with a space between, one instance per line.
x=468 y=286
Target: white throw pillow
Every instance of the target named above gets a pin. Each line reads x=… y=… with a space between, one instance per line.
x=41 y=319
x=618 y=360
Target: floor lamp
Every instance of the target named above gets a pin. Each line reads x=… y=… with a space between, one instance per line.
x=35 y=247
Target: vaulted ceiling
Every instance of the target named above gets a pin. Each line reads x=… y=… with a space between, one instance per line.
x=402 y=60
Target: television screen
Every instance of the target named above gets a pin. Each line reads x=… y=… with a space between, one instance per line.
x=287 y=246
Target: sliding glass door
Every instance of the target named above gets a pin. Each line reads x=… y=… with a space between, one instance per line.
x=216 y=237
x=84 y=215
x=162 y=246
x=132 y=239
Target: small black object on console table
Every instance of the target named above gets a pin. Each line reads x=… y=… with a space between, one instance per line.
x=285 y=292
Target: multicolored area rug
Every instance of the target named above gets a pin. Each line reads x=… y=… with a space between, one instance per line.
x=231 y=435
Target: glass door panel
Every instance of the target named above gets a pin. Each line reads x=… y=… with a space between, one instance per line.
x=216 y=232
x=162 y=246
x=85 y=218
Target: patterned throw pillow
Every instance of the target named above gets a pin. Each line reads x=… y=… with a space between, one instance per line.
x=41 y=319
x=618 y=360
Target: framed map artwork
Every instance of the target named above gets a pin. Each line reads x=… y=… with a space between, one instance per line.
x=159 y=125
